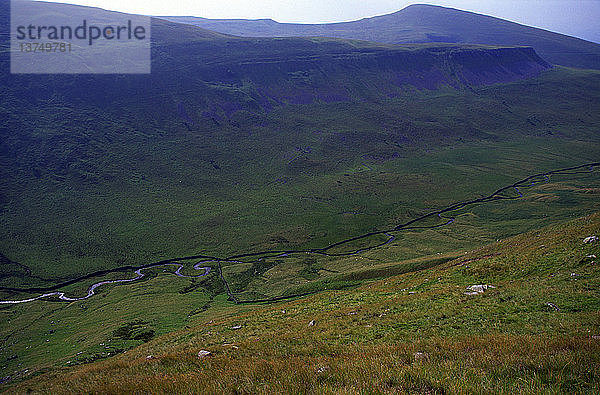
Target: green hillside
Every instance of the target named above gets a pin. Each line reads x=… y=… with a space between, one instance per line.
x=535 y=330
x=96 y=187
x=244 y=170
x=109 y=171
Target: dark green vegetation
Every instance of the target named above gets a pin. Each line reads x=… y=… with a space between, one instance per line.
x=107 y=171
x=307 y=210
x=235 y=146
x=423 y=24
x=107 y=193
x=536 y=331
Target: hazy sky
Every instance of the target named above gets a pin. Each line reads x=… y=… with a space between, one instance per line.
x=579 y=18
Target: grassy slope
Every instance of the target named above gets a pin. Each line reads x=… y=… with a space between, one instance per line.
x=506 y=340
x=117 y=177
x=95 y=181
x=147 y=214
x=84 y=201
x=47 y=334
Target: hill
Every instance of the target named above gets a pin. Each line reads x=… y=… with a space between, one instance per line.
x=237 y=150
x=532 y=328
x=200 y=127
x=420 y=24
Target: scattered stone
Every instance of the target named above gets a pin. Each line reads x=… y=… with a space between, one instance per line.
x=478 y=289
x=322 y=369
x=282 y=311
x=412 y=293
x=312 y=323
x=421 y=356
x=591 y=239
x=236 y=327
x=204 y=354
x=553 y=306
x=589 y=259
x=149 y=357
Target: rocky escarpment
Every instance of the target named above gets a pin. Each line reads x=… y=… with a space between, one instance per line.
x=304 y=71
x=491 y=66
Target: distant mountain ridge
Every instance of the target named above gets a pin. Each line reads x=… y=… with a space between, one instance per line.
x=420 y=24
x=302 y=70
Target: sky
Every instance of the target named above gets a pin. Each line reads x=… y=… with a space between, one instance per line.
x=580 y=18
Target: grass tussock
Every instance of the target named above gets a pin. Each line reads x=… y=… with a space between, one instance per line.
x=482 y=364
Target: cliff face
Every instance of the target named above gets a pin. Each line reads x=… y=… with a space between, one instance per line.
x=304 y=72
x=287 y=71
x=484 y=67
x=376 y=74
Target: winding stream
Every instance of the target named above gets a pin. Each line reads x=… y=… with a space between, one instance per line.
x=91 y=290
x=254 y=257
